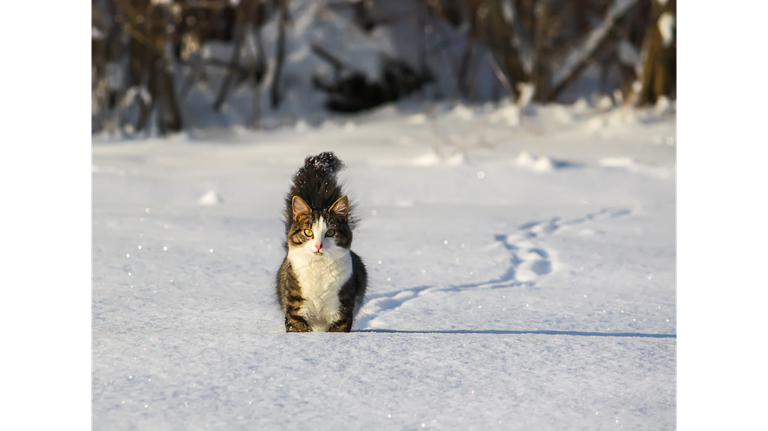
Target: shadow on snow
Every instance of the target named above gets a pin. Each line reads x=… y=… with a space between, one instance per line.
x=506 y=332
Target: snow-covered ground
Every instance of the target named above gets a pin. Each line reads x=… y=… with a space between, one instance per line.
x=522 y=275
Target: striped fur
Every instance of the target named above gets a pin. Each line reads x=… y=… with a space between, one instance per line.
x=321 y=283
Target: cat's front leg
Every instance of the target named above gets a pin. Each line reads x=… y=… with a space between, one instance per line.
x=295 y=323
x=342 y=325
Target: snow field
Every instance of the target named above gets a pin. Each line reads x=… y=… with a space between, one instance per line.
x=550 y=293
x=242 y=380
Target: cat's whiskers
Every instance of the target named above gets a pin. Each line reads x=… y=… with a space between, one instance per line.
x=333 y=253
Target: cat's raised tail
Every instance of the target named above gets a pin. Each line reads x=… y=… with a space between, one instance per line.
x=325 y=163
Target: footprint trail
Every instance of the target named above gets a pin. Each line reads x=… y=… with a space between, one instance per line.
x=529 y=261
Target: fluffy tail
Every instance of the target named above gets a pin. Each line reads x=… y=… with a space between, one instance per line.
x=322 y=164
x=316 y=183
x=319 y=167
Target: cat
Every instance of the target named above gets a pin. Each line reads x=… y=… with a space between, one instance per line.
x=321 y=283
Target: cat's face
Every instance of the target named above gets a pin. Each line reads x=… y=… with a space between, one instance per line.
x=320 y=233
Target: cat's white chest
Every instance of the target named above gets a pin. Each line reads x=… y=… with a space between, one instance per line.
x=320 y=281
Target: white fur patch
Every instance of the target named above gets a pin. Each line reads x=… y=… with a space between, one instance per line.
x=320 y=274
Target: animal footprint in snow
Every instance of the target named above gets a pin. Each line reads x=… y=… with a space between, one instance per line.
x=545 y=228
x=534 y=262
x=529 y=261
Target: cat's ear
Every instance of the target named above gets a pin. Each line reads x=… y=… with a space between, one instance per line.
x=340 y=207
x=300 y=208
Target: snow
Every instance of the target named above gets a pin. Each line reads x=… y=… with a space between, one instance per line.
x=666 y=24
x=462 y=112
x=210 y=198
x=400 y=34
x=510 y=113
x=535 y=163
x=522 y=276
x=628 y=54
x=663 y=106
x=96 y=33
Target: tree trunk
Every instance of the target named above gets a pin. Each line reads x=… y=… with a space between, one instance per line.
x=659 y=67
x=257 y=63
x=233 y=61
x=146 y=71
x=501 y=38
x=540 y=74
x=275 y=89
x=172 y=121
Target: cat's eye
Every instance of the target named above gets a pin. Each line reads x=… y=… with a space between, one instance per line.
x=330 y=232
x=308 y=232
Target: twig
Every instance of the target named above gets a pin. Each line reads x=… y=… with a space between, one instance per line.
x=330 y=58
x=500 y=74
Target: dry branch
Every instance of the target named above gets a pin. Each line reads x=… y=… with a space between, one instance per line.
x=500 y=75
x=576 y=61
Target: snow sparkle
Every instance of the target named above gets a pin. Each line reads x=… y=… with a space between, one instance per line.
x=501 y=247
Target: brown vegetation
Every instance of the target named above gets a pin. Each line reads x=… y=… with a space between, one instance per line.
x=138 y=46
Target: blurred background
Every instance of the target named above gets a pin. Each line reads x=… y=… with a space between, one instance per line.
x=163 y=66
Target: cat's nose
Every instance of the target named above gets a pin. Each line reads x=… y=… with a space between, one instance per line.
x=318 y=246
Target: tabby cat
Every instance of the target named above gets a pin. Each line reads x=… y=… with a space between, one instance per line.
x=321 y=284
